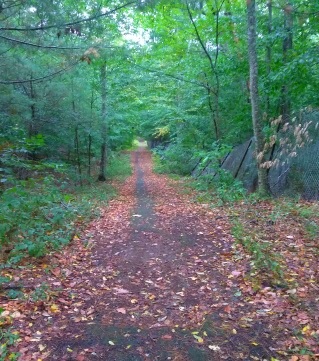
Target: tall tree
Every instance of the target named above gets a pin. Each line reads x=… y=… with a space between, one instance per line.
x=254 y=96
x=102 y=175
x=287 y=46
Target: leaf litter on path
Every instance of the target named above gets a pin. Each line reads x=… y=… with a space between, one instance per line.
x=156 y=277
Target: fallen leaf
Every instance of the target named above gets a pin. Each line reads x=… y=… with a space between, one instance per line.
x=121 y=310
x=54 y=308
x=294 y=358
x=198 y=338
x=121 y=291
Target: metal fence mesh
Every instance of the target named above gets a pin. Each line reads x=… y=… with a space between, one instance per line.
x=297 y=172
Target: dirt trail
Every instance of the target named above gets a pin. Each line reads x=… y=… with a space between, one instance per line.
x=157 y=283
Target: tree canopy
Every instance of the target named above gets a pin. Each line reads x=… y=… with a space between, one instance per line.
x=175 y=72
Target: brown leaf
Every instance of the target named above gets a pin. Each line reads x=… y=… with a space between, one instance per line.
x=56 y=272
x=120 y=291
x=121 y=310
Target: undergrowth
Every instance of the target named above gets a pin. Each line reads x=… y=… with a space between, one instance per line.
x=7 y=339
x=260 y=230
x=307 y=215
x=119 y=166
x=42 y=215
x=218 y=190
x=263 y=261
x=217 y=187
x=173 y=160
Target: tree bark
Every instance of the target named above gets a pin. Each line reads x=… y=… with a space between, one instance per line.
x=77 y=152
x=268 y=54
x=102 y=175
x=287 y=45
x=254 y=96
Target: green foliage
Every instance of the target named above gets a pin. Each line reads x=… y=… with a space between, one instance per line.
x=39 y=215
x=307 y=215
x=119 y=166
x=15 y=294
x=8 y=338
x=263 y=260
x=220 y=188
x=175 y=159
x=41 y=293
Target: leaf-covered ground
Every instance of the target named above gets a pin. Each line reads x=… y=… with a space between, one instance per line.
x=160 y=277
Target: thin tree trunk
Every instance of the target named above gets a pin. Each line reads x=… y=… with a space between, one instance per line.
x=90 y=136
x=254 y=96
x=211 y=108
x=212 y=63
x=77 y=152
x=102 y=175
x=89 y=154
x=287 y=45
x=217 y=92
x=32 y=125
x=268 y=54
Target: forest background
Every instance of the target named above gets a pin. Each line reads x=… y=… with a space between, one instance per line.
x=80 y=81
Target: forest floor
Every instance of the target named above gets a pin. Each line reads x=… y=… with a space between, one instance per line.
x=160 y=277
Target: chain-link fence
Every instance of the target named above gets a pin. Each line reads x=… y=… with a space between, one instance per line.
x=296 y=158
x=292 y=154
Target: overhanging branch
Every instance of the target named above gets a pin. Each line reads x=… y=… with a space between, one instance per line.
x=94 y=17
x=12 y=82
x=159 y=72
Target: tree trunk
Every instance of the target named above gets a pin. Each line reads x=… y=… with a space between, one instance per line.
x=268 y=55
x=102 y=175
x=77 y=152
x=287 y=45
x=254 y=96
x=32 y=125
x=89 y=154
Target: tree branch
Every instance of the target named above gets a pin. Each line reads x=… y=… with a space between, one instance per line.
x=71 y=23
x=39 y=46
x=199 y=38
x=173 y=76
x=10 y=82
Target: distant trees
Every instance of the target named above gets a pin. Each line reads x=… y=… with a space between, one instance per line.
x=181 y=66
x=50 y=55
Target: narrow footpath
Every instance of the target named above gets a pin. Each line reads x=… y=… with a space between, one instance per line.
x=155 y=281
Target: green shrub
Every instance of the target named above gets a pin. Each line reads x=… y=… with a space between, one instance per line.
x=38 y=216
x=8 y=339
x=220 y=188
x=119 y=166
x=175 y=159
